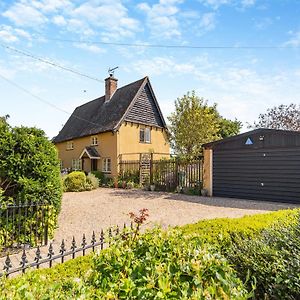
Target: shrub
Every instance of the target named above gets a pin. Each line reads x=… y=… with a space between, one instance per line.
x=64 y=281
x=92 y=180
x=75 y=182
x=29 y=170
x=163 y=265
x=101 y=176
x=273 y=259
x=223 y=232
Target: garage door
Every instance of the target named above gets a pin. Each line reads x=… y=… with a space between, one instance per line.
x=260 y=174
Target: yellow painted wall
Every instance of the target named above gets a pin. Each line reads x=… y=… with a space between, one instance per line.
x=129 y=142
x=107 y=148
x=122 y=145
x=207 y=170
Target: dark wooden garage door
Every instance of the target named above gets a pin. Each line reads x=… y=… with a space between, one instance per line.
x=261 y=174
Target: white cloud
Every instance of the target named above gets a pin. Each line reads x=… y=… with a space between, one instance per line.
x=90 y=48
x=208 y=21
x=216 y=4
x=162 y=18
x=59 y=20
x=111 y=17
x=9 y=34
x=294 y=41
x=241 y=92
x=22 y=14
x=161 y=65
x=263 y=23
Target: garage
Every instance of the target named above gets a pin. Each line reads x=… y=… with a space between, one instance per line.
x=263 y=164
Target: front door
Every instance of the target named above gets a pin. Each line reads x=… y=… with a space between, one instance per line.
x=94 y=164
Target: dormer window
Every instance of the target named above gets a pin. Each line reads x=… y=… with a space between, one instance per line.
x=94 y=141
x=145 y=135
x=70 y=145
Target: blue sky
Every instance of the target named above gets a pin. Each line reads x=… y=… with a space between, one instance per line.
x=243 y=82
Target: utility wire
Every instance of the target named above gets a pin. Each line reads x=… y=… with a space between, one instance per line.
x=169 y=46
x=44 y=101
x=30 y=55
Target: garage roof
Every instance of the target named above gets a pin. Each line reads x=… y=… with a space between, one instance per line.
x=258 y=138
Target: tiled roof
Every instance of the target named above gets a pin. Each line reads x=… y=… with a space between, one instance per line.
x=99 y=116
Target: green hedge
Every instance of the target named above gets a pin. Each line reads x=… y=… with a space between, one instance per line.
x=273 y=259
x=64 y=281
x=222 y=232
x=29 y=172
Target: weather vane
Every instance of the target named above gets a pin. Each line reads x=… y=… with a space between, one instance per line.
x=111 y=71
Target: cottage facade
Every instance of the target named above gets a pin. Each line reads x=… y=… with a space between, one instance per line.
x=121 y=125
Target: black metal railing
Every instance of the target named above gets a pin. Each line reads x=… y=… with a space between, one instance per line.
x=23 y=224
x=63 y=252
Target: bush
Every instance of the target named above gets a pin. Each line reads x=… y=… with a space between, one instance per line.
x=223 y=232
x=29 y=171
x=75 y=182
x=101 y=176
x=163 y=265
x=64 y=281
x=92 y=180
x=273 y=259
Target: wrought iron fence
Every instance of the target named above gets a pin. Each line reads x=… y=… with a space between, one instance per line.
x=23 y=224
x=63 y=252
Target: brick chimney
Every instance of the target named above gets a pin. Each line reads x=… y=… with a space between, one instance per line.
x=111 y=84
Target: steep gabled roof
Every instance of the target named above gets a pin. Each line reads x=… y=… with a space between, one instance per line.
x=99 y=116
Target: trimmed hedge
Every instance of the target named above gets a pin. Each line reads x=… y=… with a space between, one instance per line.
x=222 y=232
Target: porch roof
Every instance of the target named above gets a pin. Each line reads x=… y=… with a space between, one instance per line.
x=91 y=152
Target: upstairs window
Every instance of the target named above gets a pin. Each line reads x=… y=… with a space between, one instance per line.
x=107 y=165
x=145 y=135
x=94 y=141
x=70 y=145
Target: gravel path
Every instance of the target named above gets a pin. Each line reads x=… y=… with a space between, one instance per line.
x=87 y=211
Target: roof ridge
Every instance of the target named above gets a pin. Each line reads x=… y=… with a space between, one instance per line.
x=124 y=86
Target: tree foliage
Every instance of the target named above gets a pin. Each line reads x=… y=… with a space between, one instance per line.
x=29 y=168
x=286 y=117
x=195 y=123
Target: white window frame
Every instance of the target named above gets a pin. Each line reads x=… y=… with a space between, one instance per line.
x=147 y=135
x=70 y=145
x=106 y=167
x=94 y=141
x=76 y=164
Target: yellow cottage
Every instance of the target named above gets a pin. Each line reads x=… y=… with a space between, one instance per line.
x=121 y=125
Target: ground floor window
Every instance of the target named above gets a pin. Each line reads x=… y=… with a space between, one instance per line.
x=107 y=165
x=76 y=164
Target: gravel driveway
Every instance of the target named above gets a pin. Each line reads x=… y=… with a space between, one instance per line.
x=87 y=211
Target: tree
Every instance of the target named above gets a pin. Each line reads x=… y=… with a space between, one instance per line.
x=286 y=117
x=194 y=123
x=29 y=167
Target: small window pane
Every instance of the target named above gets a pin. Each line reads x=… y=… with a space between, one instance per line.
x=147 y=135
x=142 y=135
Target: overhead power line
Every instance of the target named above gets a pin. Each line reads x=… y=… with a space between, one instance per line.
x=45 y=61
x=170 y=46
x=43 y=100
